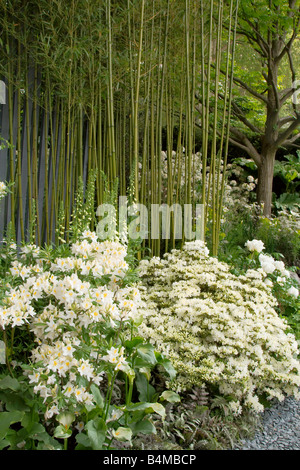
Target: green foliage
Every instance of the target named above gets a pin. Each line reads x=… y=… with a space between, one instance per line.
x=289 y=172
x=20 y=426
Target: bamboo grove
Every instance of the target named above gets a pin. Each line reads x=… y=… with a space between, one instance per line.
x=127 y=89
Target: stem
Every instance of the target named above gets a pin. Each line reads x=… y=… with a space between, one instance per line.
x=129 y=392
x=109 y=395
x=6 y=354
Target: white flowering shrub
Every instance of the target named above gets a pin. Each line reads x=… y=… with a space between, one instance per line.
x=81 y=308
x=280 y=279
x=218 y=328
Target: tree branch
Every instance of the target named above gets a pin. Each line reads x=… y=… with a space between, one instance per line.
x=248 y=88
x=283 y=137
x=241 y=116
x=243 y=140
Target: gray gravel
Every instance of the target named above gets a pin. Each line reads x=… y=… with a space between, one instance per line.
x=280 y=428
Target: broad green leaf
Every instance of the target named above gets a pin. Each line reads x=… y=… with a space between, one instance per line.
x=146 y=352
x=9 y=382
x=168 y=366
x=145 y=390
x=144 y=427
x=14 y=401
x=170 y=396
x=97 y=395
x=7 y=418
x=146 y=371
x=36 y=430
x=130 y=344
x=83 y=440
x=148 y=408
x=96 y=430
x=159 y=409
x=4 y=443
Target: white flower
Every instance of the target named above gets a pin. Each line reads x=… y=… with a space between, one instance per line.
x=52 y=411
x=279 y=265
x=196 y=245
x=115 y=356
x=218 y=328
x=267 y=263
x=255 y=245
x=268 y=268
x=293 y=291
x=80 y=426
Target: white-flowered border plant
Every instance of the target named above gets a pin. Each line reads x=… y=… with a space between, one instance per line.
x=218 y=328
x=82 y=312
x=274 y=270
x=282 y=281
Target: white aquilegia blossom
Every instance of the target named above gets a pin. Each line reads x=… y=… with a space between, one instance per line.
x=255 y=245
x=219 y=328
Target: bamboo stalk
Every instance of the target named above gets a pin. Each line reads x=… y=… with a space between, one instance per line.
x=206 y=74
x=214 y=156
x=19 y=147
x=136 y=101
x=11 y=141
x=229 y=94
x=110 y=100
x=29 y=184
x=35 y=155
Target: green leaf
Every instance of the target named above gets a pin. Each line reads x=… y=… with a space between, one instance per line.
x=148 y=408
x=146 y=352
x=97 y=395
x=83 y=440
x=7 y=418
x=4 y=443
x=131 y=344
x=145 y=390
x=144 y=427
x=168 y=366
x=36 y=430
x=96 y=430
x=9 y=382
x=287 y=200
x=14 y=401
x=170 y=396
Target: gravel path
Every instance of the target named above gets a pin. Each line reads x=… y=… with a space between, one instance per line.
x=280 y=428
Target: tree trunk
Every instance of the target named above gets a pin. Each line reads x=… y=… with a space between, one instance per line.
x=265 y=181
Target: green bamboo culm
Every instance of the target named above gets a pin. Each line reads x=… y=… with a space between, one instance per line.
x=106 y=88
